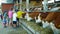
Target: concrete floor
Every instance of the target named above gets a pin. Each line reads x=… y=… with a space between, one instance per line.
x=11 y=30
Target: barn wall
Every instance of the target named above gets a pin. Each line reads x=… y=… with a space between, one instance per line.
x=6 y=6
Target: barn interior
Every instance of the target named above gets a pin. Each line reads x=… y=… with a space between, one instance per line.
x=39 y=17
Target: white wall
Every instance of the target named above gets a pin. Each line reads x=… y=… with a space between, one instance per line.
x=51 y=1
x=6 y=1
x=57 y=0
x=3 y=1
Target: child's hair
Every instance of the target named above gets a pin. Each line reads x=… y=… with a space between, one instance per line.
x=4 y=12
x=11 y=8
x=16 y=10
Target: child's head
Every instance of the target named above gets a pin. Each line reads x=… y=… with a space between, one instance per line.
x=5 y=11
x=11 y=8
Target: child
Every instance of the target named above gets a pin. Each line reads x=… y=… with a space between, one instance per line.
x=14 y=19
x=19 y=15
x=5 y=18
x=10 y=14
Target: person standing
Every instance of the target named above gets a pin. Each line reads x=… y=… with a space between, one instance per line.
x=19 y=15
x=10 y=15
x=14 y=19
x=5 y=18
